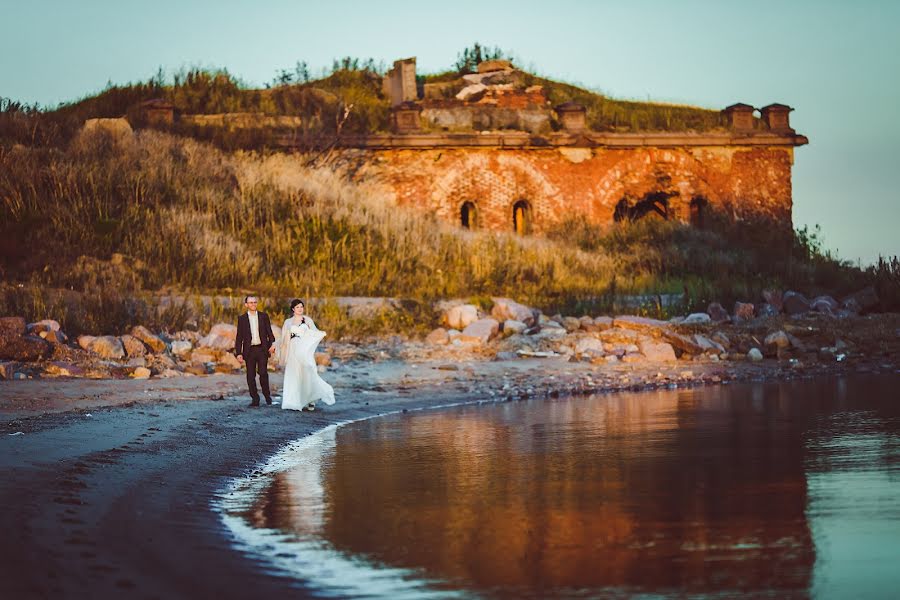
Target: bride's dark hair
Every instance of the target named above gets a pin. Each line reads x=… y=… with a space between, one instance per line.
x=295 y=302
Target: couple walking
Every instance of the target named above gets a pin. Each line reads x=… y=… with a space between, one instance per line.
x=296 y=353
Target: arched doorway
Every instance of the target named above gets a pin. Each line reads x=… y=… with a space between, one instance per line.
x=468 y=215
x=654 y=205
x=698 y=211
x=522 y=217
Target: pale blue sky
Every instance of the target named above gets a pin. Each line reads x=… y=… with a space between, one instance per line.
x=837 y=63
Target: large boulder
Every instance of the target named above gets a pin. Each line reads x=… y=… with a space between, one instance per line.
x=181 y=348
x=603 y=323
x=824 y=304
x=107 y=346
x=657 y=351
x=11 y=327
x=438 y=337
x=505 y=309
x=795 y=303
x=481 y=331
x=513 y=326
x=743 y=311
x=44 y=325
x=862 y=301
x=84 y=341
x=571 y=324
x=717 y=312
x=227 y=359
x=588 y=344
x=220 y=337
x=153 y=342
x=461 y=316
x=133 y=346
x=708 y=345
x=24 y=348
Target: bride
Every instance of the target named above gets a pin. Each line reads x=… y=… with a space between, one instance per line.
x=302 y=384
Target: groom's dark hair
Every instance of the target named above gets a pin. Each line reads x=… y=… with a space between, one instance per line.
x=247 y=298
x=295 y=302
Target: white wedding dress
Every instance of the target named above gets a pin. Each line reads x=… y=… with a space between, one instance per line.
x=302 y=384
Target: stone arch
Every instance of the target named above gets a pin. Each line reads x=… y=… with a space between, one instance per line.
x=652 y=205
x=468 y=215
x=498 y=180
x=650 y=176
x=521 y=217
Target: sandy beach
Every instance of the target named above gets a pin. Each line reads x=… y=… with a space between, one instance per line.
x=107 y=484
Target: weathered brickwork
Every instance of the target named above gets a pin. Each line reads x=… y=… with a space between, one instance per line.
x=743 y=183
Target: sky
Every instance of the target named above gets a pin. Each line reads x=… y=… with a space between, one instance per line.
x=836 y=63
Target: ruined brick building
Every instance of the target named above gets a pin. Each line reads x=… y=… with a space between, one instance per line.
x=495 y=155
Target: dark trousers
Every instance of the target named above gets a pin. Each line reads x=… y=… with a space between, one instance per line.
x=257 y=359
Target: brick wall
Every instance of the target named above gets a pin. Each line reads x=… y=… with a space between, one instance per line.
x=739 y=183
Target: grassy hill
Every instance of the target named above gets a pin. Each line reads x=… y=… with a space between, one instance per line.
x=110 y=218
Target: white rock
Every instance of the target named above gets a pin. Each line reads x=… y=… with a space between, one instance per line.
x=755 y=355
x=220 y=337
x=505 y=309
x=588 y=344
x=656 y=351
x=481 y=331
x=181 y=348
x=471 y=92
x=697 y=319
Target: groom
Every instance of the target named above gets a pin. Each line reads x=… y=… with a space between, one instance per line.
x=253 y=345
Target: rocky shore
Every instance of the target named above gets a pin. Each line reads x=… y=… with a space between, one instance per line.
x=108 y=478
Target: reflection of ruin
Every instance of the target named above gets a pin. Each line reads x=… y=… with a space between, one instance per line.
x=656 y=491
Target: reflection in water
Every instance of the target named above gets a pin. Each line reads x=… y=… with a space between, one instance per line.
x=701 y=491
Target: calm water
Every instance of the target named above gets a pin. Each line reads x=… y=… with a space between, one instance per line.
x=764 y=490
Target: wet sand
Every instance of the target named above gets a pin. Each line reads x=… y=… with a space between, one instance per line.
x=106 y=488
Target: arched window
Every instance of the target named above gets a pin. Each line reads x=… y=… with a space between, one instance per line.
x=522 y=217
x=698 y=211
x=468 y=215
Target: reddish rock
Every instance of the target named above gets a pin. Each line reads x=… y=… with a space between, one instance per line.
x=133 y=346
x=11 y=327
x=154 y=342
x=743 y=311
x=24 y=348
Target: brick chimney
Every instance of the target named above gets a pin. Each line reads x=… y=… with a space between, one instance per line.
x=739 y=116
x=777 y=117
x=571 y=116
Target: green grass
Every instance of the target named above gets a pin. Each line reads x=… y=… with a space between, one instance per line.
x=112 y=220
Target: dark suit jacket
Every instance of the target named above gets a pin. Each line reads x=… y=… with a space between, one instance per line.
x=244 y=336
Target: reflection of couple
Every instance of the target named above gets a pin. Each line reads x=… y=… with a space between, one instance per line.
x=299 y=338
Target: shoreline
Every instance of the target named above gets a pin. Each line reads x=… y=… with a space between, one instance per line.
x=116 y=498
